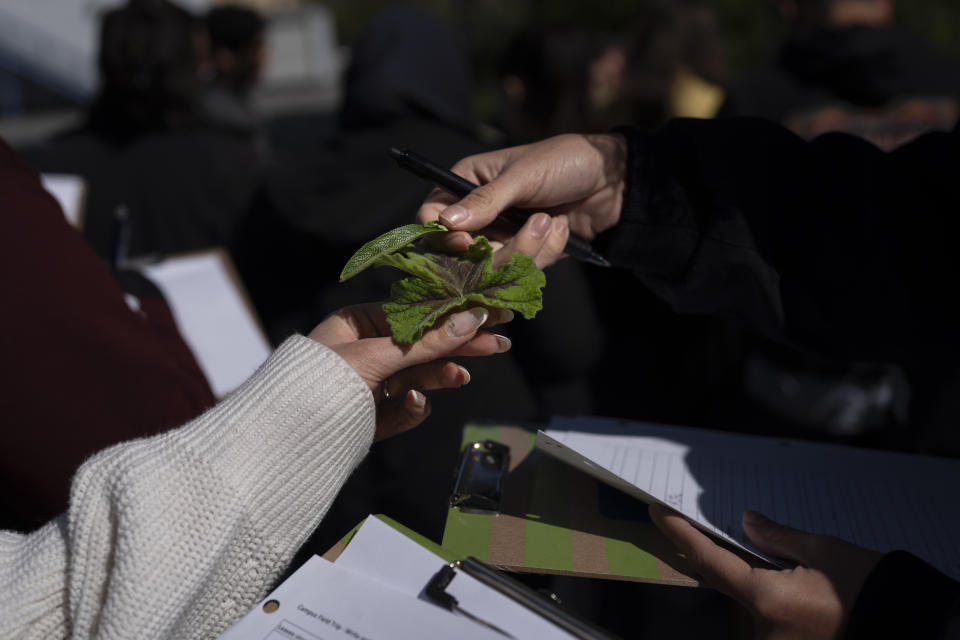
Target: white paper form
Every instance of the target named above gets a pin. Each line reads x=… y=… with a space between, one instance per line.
x=879 y=500
x=322 y=601
x=212 y=315
x=69 y=191
x=381 y=552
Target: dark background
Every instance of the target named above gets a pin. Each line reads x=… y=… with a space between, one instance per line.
x=750 y=29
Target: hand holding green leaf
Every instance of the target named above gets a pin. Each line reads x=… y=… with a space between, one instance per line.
x=442 y=283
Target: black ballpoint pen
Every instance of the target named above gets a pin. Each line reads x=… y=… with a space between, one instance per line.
x=458 y=186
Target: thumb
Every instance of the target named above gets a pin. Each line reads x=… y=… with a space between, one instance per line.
x=779 y=540
x=481 y=206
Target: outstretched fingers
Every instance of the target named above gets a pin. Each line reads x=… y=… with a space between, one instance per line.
x=425 y=377
x=542 y=237
x=719 y=568
x=407 y=414
x=779 y=540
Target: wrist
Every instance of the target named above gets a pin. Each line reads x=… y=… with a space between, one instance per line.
x=611 y=149
x=611 y=152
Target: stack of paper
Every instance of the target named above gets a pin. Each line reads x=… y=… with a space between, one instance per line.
x=878 y=500
x=376 y=589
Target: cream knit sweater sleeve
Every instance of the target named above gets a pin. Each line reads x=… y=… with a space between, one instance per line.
x=178 y=535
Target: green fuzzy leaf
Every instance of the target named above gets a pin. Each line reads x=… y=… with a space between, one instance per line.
x=386 y=244
x=443 y=283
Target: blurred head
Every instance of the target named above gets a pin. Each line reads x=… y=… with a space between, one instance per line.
x=671 y=42
x=548 y=79
x=406 y=62
x=836 y=14
x=148 y=61
x=237 y=45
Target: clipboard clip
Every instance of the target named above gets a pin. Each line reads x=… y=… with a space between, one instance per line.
x=479 y=485
x=436 y=592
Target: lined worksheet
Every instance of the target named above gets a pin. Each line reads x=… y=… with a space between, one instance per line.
x=879 y=500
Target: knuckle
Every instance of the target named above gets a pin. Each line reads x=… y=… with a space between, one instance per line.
x=481 y=198
x=464 y=166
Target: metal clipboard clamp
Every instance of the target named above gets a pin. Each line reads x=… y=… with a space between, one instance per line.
x=520 y=593
x=478 y=489
x=479 y=484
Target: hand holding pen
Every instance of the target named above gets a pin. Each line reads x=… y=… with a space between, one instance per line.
x=577 y=178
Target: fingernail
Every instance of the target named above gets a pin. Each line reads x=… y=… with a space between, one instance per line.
x=560 y=225
x=418 y=399
x=504 y=342
x=755 y=518
x=466 y=322
x=540 y=225
x=500 y=316
x=465 y=374
x=453 y=215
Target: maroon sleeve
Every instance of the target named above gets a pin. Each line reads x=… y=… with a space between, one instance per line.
x=81 y=369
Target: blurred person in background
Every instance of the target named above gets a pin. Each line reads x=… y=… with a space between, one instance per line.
x=238 y=52
x=144 y=148
x=847 y=67
x=674 y=66
x=669 y=62
x=545 y=83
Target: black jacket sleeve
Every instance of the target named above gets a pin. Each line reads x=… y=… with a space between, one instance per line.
x=904 y=597
x=831 y=244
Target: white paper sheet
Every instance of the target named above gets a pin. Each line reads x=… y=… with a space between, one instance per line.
x=211 y=313
x=324 y=601
x=69 y=191
x=879 y=500
x=379 y=551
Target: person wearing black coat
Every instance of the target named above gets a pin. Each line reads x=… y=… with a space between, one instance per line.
x=846 y=66
x=832 y=244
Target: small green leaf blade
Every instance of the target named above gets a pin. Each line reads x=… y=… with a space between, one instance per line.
x=445 y=283
x=385 y=244
x=415 y=305
x=515 y=285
